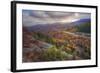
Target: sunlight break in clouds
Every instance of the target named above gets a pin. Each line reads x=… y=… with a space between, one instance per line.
x=34 y=17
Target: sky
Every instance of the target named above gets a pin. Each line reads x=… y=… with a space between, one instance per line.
x=34 y=17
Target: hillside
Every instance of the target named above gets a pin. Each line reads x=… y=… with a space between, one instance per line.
x=86 y=28
x=54 y=45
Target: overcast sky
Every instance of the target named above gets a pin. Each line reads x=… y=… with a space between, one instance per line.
x=33 y=17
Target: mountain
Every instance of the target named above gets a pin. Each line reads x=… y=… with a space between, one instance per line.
x=82 y=21
x=56 y=26
x=49 y=27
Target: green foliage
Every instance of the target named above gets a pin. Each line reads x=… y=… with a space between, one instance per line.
x=42 y=37
x=86 y=27
x=53 y=54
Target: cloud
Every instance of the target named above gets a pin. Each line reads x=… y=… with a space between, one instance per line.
x=34 y=17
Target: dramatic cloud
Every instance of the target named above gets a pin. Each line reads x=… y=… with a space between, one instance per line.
x=33 y=17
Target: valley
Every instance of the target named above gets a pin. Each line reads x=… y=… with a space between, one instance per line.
x=55 y=45
x=55 y=36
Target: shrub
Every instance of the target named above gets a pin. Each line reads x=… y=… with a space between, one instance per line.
x=54 y=54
